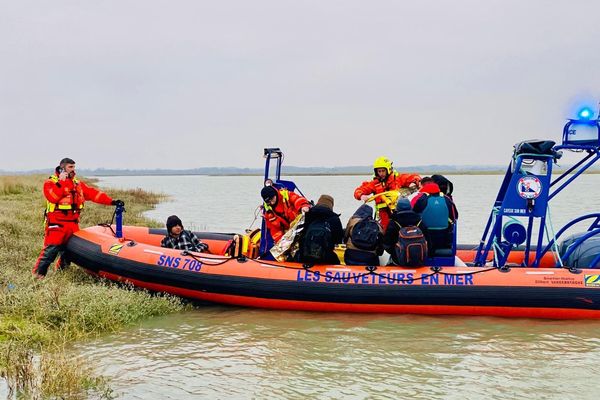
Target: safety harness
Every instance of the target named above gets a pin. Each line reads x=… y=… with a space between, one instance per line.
x=66 y=203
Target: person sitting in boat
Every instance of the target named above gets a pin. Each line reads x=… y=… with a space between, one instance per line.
x=280 y=208
x=384 y=179
x=438 y=212
x=181 y=239
x=363 y=237
x=406 y=229
x=322 y=231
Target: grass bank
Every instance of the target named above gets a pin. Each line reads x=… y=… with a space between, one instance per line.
x=39 y=319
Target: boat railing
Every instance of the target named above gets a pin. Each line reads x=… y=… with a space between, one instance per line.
x=594 y=226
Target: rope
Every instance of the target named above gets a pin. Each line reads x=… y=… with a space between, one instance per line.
x=555 y=252
x=371 y=271
x=495 y=246
x=256 y=214
x=109 y=224
x=497 y=249
x=204 y=259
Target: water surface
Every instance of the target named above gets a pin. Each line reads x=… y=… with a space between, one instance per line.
x=233 y=353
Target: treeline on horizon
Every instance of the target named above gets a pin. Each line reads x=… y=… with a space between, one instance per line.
x=287 y=170
x=290 y=170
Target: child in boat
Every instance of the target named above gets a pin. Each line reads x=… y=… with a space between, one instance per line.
x=181 y=239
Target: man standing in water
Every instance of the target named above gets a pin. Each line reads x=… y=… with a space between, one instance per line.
x=65 y=196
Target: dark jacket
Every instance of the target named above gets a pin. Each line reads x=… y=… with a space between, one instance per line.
x=354 y=255
x=322 y=213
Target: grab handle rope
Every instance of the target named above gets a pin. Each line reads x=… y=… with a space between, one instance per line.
x=555 y=252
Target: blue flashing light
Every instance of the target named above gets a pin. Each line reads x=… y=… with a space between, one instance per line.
x=585 y=113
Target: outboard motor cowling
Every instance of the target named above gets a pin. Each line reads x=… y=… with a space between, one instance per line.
x=584 y=254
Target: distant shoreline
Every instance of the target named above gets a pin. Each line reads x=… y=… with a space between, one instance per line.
x=93 y=173
x=426 y=173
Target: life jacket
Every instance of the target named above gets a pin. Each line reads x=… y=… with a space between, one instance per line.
x=366 y=234
x=436 y=214
x=285 y=195
x=411 y=247
x=317 y=241
x=272 y=215
x=390 y=183
x=73 y=201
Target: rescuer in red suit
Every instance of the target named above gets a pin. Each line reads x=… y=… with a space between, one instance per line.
x=65 y=197
x=280 y=208
x=385 y=179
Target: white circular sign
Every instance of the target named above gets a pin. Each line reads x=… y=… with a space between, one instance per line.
x=529 y=187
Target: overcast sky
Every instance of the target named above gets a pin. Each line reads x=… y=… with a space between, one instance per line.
x=185 y=84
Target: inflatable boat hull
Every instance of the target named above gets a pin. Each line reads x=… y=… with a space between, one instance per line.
x=518 y=292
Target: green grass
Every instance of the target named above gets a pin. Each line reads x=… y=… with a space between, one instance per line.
x=41 y=318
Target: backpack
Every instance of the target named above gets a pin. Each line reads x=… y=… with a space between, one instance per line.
x=318 y=241
x=366 y=234
x=411 y=248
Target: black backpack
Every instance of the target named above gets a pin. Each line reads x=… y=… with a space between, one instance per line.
x=411 y=248
x=366 y=234
x=318 y=241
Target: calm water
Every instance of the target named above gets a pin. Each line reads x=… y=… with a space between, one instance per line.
x=232 y=353
x=229 y=204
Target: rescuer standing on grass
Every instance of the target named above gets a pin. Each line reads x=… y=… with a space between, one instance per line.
x=65 y=196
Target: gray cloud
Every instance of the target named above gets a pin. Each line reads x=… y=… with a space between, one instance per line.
x=151 y=84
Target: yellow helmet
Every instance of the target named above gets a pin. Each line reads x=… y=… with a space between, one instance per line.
x=383 y=162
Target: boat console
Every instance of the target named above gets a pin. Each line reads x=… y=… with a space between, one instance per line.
x=521 y=206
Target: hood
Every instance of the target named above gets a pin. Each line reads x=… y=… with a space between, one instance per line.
x=363 y=211
x=431 y=188
x=445 y=185
x=403 y=204
x=320 y=211
x=406 y=218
